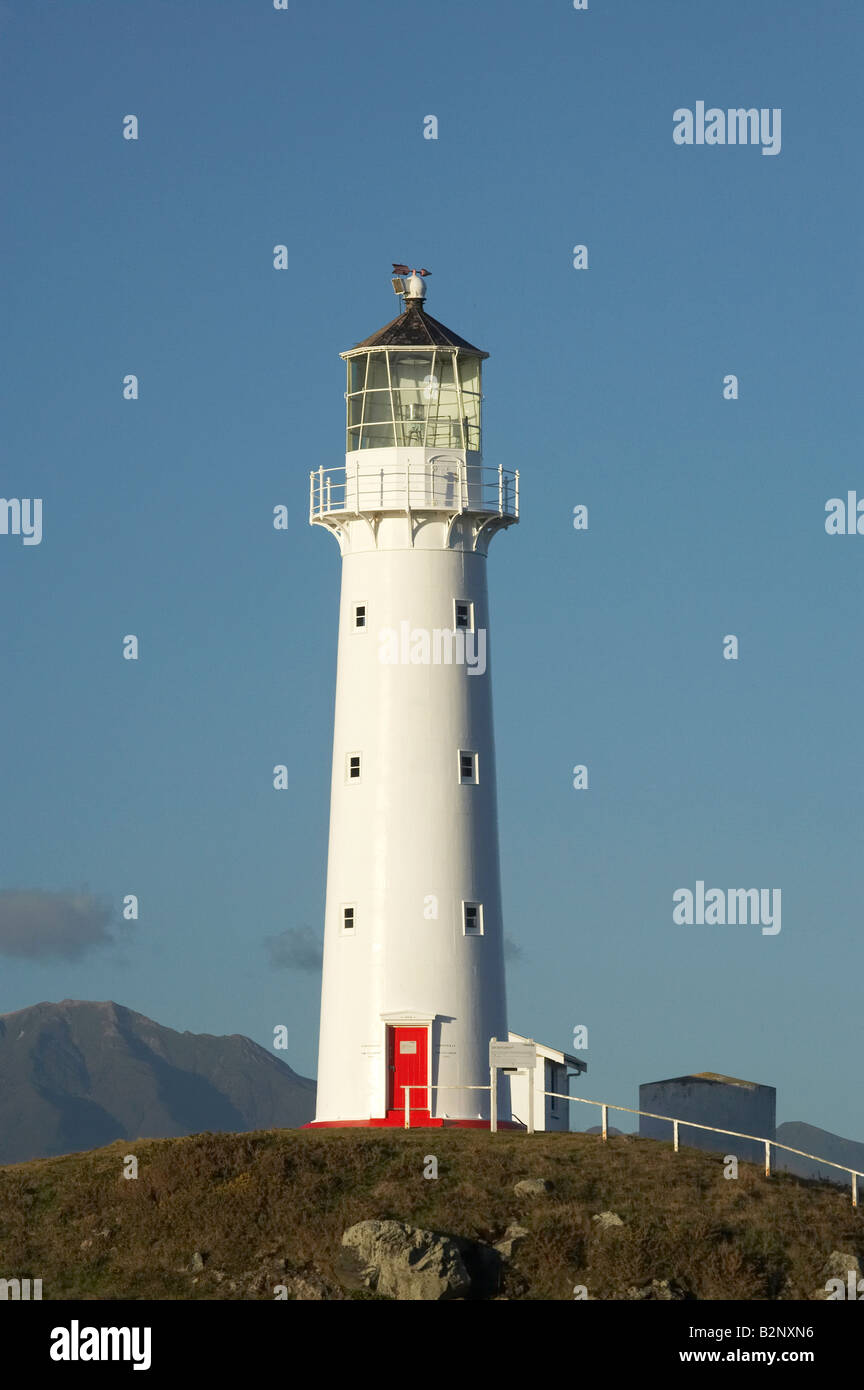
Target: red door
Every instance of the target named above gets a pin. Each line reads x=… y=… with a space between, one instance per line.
x=408 y=1059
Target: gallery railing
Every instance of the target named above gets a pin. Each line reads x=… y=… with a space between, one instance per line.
x=445 y=485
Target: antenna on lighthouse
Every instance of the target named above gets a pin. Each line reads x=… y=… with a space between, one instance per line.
x=410 y=283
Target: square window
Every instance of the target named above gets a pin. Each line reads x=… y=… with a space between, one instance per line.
x=472 y=919
x=359 y=617
x=467 y=766
x=353 y=766
x=463 y=615
x=348 y=917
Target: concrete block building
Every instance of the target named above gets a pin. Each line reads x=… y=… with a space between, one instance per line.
x=709 y=1098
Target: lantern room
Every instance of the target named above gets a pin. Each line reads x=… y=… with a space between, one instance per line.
x=404 y=397
x=414 y=383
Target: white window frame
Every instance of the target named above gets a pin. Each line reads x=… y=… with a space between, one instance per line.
x=470 y=606
x=475 y=774
x=352 y=930
x=478 y=930
x=355 y=753
x=360 y=627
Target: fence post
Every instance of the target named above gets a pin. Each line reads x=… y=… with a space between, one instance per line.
x=531 y=1102
x=854 y=1189
x=406 y=1091
x=767 y=1158
x=493 y=1100
x=675 y=1135
x=605 y=1110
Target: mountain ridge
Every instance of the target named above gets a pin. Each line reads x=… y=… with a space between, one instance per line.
x=833 y=1147
x=79 y=1074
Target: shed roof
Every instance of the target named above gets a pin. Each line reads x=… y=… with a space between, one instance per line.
x=551 y=1053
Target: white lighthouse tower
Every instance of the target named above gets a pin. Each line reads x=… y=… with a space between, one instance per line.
x=413 y=984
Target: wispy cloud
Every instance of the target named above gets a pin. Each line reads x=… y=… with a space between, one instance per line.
x=299 y=948
x=38 y=925
x=296 y=948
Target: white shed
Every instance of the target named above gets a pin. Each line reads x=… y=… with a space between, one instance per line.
x=552 y=1073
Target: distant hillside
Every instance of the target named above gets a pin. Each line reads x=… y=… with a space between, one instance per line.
x=821 y=1142
x=232 y=1216
x=78 y=1075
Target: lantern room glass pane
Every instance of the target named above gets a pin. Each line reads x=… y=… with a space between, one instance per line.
x=376 y=374
x=377 y=421
x=414 y=387
x=469 y=374
x=443 y=424
x=356 y=382
x=356 y=374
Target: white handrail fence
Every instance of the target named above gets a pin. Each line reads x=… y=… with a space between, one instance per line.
x=605 y=1107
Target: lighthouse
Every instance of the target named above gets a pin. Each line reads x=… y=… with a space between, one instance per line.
x=413 y=973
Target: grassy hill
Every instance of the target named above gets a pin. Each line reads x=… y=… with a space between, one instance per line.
x=263 y=1207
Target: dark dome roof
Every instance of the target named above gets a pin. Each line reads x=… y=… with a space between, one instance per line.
x=416 y=329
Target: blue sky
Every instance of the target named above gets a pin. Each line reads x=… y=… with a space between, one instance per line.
x=604 y=387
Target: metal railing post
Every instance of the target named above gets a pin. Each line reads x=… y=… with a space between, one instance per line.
x=767 y=1158
x=675 y=1135
x=406 y=1091
x=320 y=487
x=605 y=1111
x=531 y=1102
x=500 y=489
x=854 y=1189
x=493 y=1100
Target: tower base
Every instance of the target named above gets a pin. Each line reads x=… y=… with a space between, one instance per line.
x=397 y=1121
